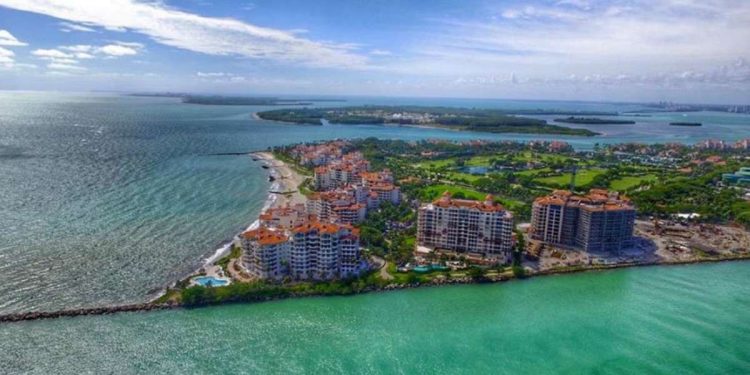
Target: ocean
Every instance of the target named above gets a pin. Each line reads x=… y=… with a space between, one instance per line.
x=105 y=199
x=655 y=320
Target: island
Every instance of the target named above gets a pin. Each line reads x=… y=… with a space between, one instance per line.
x=464 y=119
x=241 y=100
x=685 y=124
x=593 y=121
x=235 y=100
x=394 y=215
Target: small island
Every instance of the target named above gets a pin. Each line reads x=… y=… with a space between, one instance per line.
x=465 y=119
x=593 y=121
x=235 y=100
x=685 y=124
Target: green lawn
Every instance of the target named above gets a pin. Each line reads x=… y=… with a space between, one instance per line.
x=532 y=172
x=583 y=177
x=484 y=160
x=530 y=156
x=479 y=161
x=629 y=182
x=463 y=176
x=437 y=164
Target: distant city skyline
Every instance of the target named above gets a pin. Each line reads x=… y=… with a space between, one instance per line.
x=687 y=51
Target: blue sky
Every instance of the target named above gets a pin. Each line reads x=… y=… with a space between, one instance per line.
x=629 y=50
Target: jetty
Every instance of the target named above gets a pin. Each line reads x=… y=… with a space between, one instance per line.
x=105 y=310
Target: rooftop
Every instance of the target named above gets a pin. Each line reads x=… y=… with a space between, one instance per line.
x=488 y=205
x=265 y=236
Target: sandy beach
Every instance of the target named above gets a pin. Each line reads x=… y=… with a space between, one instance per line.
x=287 y=180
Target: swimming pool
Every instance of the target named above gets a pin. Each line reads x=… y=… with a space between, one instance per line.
x=210 y=281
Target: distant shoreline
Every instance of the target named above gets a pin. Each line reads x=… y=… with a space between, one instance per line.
x=427 y=126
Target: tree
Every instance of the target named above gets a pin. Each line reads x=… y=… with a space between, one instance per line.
x=477 y=274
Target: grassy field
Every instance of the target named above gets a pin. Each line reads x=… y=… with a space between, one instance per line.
x=583 y=177
x=462 y=176
x=628 y=182
x=437 y=164
x=532 y=172
x=531 y=156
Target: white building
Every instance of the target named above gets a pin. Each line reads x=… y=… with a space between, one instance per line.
x=310 y=251
x=264 y=252
x=466 y=226
x=324 y=251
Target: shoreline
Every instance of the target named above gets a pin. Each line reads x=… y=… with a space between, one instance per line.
x=435 y=127
x=284 y=177
x=150 y=306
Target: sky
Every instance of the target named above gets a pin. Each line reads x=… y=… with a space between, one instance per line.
x=694 y=51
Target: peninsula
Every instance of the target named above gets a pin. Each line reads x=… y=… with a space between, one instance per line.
x=465 y=119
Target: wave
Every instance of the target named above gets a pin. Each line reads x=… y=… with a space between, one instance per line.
x=270 y=200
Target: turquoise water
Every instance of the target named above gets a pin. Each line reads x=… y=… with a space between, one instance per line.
x=670 y=320
x=210 y=281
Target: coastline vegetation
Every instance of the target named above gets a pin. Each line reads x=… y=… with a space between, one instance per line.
x=465 y=119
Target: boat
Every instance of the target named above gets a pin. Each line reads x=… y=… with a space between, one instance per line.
x=271 y=178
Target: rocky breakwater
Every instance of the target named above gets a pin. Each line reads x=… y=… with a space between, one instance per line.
x=37 y=315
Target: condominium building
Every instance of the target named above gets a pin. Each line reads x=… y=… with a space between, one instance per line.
x=319 y=154
x=466 y=226
x=383 y=192
x=379 y=177
x=332 y=176
x=311 y=250
x=600 y=221
x=340 y=172
x=324 y=251
x=336 y=206
x=265 y=251
x=287 y=216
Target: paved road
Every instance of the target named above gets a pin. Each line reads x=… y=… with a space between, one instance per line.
x=380 y=263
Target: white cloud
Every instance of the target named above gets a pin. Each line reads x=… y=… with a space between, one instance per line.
x=212 y=74
x=380 y=52
x=7 y=39
x=68 y=27
x=214 y=36
x=117 y=50
x=67 y=58
x=78 y=48
x=65 y=67
x=636 y=38
x=583 y=4
x=51 y=54
x=6 y=57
